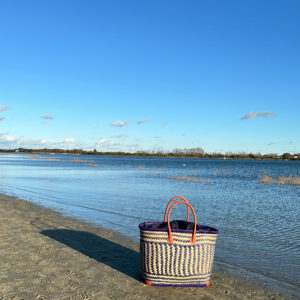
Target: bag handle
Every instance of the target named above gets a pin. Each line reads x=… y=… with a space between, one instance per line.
x=181 y=197
x=170 y=238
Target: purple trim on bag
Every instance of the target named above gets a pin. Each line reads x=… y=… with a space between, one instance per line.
x=161 y=258
x=202 y=275
x=152 y=255
x=162 y=240
x=179 y=285
x=143 y=226
x=176 y=239
x=174 y=284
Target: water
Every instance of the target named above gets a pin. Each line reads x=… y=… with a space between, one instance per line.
x=258 y=223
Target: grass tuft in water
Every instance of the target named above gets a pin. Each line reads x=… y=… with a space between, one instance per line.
x=189 y=179
x=282 y=180
x=266 y=179
x=76 y=160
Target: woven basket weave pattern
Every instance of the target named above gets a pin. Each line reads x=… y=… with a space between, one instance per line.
x=177 y=263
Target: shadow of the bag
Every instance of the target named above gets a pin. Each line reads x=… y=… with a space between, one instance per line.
x=116 y=256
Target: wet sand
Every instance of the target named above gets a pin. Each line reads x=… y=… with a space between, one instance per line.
x=44 y=255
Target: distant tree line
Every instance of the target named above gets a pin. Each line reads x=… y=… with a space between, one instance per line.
x=177 y=152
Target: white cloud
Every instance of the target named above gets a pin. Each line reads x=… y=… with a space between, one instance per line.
x=119 y=123
x=2 y=118
x=47 y=117
x=8 y=138
x=69 y=140
x=10 y=142
x=103 y=141
x=253 y=115
x=106 y=144
x=68 y=144
x=3 y=108
x=143 y=121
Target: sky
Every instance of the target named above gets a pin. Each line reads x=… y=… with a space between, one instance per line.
x=150 y=75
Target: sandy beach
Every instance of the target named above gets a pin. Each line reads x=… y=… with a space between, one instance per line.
x=44 y=255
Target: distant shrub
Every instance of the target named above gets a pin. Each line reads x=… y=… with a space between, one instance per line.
x=286 y=156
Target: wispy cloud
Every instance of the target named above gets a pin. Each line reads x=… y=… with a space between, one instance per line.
x=3 y=108
x=253 y=115
x=120 y=136
x=143 y=121
x=119 y=123
x=69 y=140
x=103 y=142
x=270 y=144
x=163 y=123
x=2 y=118
x=132 y=147
x=47 y=117
x=106 y=144
x=68 y=143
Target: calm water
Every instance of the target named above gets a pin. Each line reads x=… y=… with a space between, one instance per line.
x=258 y=223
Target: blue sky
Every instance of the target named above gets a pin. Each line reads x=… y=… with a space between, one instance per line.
x=149 y=75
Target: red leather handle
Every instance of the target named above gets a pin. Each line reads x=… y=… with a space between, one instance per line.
x=166 y=211
x=193 y=239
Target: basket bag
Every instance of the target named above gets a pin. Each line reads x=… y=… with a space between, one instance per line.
x=177 y=253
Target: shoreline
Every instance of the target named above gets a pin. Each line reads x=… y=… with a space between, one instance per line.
x=45 y=255
x=220 y=156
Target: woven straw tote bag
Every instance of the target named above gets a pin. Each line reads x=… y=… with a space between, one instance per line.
x=177 y=253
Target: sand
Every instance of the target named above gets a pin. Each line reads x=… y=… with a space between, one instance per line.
x=44 y=255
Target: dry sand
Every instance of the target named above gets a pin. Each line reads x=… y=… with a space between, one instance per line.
x=44 y=255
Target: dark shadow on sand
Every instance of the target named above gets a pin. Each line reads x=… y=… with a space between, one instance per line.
x=120 y=258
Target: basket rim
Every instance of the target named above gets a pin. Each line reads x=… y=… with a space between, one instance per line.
x=143 y=226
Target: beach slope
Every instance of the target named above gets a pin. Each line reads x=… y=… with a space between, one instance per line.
x=44 y=255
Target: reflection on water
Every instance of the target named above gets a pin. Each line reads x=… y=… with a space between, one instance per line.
x=258 y=222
